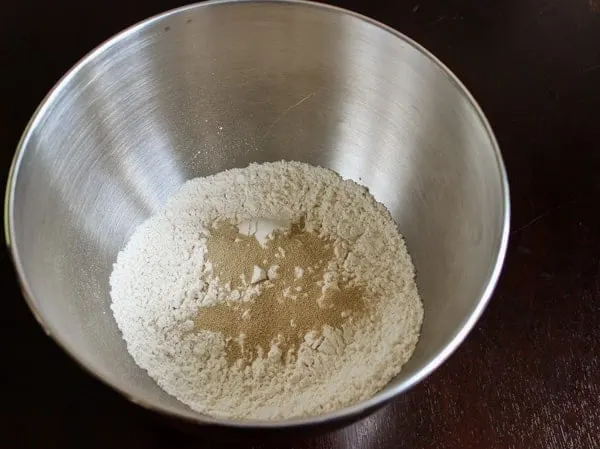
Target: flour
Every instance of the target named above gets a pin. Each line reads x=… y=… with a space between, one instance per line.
x=319 y=314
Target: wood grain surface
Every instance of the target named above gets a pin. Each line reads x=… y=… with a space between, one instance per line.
x=528 y=376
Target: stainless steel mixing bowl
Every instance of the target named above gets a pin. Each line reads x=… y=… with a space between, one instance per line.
x=218 y=85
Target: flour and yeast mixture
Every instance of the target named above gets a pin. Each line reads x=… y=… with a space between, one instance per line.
x=275 y=291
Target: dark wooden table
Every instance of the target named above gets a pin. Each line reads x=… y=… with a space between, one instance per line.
x=528 y=376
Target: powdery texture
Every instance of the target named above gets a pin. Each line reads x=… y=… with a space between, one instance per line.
x=161 y=280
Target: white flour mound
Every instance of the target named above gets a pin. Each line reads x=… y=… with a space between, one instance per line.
x=160 y=283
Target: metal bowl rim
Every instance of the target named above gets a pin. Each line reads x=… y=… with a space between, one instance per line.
x=345 y=413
